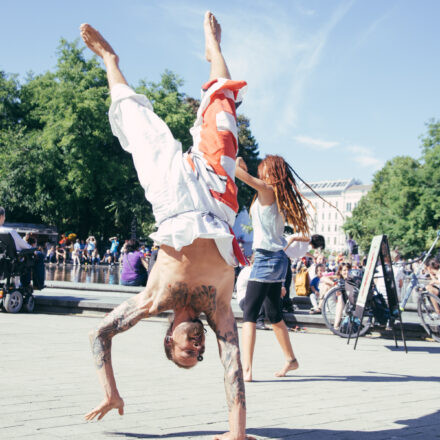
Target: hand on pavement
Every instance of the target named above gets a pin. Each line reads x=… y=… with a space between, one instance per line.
x=106 y=406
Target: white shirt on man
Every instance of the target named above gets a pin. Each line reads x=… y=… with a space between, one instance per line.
x=20 y=244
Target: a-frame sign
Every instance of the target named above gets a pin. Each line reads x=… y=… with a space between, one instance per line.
x=379 y=250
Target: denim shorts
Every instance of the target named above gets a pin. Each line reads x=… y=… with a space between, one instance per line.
x=269 y=266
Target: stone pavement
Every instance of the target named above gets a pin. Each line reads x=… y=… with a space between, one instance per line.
x=48 y=382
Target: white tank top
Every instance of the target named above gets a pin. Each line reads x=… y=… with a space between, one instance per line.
x=268 y=226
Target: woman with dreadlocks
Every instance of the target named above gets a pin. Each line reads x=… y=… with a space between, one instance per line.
x=277 y=201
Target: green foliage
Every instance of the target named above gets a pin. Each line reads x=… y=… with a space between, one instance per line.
x=9 y=101
x=404 y=202
x=60 y=163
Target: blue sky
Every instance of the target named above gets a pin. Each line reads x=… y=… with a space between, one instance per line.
x=335 y=86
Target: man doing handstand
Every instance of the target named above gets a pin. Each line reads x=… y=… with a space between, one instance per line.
x=194 y=200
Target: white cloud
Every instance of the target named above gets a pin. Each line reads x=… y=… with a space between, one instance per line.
x=365 y=157
x=317 y=143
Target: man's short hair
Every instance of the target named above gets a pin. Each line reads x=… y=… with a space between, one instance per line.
x=317 y=241
x=2 y=211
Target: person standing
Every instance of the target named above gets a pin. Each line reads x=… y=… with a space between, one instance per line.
x=134 y=265
x=114 y=248
x=277 y=201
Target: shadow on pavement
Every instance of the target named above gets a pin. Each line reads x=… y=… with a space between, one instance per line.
x=434 y=349
x=425 y=427
x=384 y=377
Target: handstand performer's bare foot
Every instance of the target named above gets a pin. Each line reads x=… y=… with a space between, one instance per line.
x=290 y=365
x=213 y=32
x=96 y=42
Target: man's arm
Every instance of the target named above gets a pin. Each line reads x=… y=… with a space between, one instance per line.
x=224 y=325
x=20 y=244
x=293 y=238
x=119 y=320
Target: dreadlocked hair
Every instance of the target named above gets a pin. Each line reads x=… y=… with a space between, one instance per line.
x=289 y=199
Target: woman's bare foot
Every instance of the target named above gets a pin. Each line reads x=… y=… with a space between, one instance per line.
x=96 y=42
x=290 y=365
x=213 y=32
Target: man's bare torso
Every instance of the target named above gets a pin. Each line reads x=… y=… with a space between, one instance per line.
x=196 y=277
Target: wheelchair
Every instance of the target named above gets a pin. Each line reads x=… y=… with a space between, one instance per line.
x=15 y=266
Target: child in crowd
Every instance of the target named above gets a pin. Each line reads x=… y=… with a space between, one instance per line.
x=314 y=287
x=342 y=274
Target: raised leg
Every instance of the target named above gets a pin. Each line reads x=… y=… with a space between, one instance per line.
x=97 y=44
x=213 y=52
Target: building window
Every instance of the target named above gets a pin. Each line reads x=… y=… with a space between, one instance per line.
x=336 y=228
x=328 y=228
x=334 y=241
x=323 y=216
x=322 y=228
x=349 y=207
x=329 y=215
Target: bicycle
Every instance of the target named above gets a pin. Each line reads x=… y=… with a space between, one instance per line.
x=428 y=305
x=339 y=306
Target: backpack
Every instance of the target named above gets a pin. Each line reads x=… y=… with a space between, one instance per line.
x=302 y=283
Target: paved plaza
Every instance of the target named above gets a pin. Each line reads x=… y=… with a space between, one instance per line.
x=48 y=382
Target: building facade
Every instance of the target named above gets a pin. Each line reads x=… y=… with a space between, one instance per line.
x=344 y=195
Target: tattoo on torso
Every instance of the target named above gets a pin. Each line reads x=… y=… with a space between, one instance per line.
x=179 y=295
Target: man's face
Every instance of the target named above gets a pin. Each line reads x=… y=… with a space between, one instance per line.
x=189 y=342
x=2 y=219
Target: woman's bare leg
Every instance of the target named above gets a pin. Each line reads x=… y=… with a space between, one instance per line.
x=97 y=44
x=213 y=52
x=282 y=336
x=248 y=345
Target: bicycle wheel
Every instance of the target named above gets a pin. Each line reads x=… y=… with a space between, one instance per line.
x=428 y=308
x=335 y=309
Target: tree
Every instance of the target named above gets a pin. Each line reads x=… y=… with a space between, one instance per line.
x=9 y=101
x=404 y=202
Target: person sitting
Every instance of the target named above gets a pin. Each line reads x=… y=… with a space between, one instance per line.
x=50 y=256
x=433 y=269
x=107 y=258
x=95 y=257
x=134 y=265
x=60 y=255
x=20 y=244
x=342 y=274
x=314 y=287
x=86 y=257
